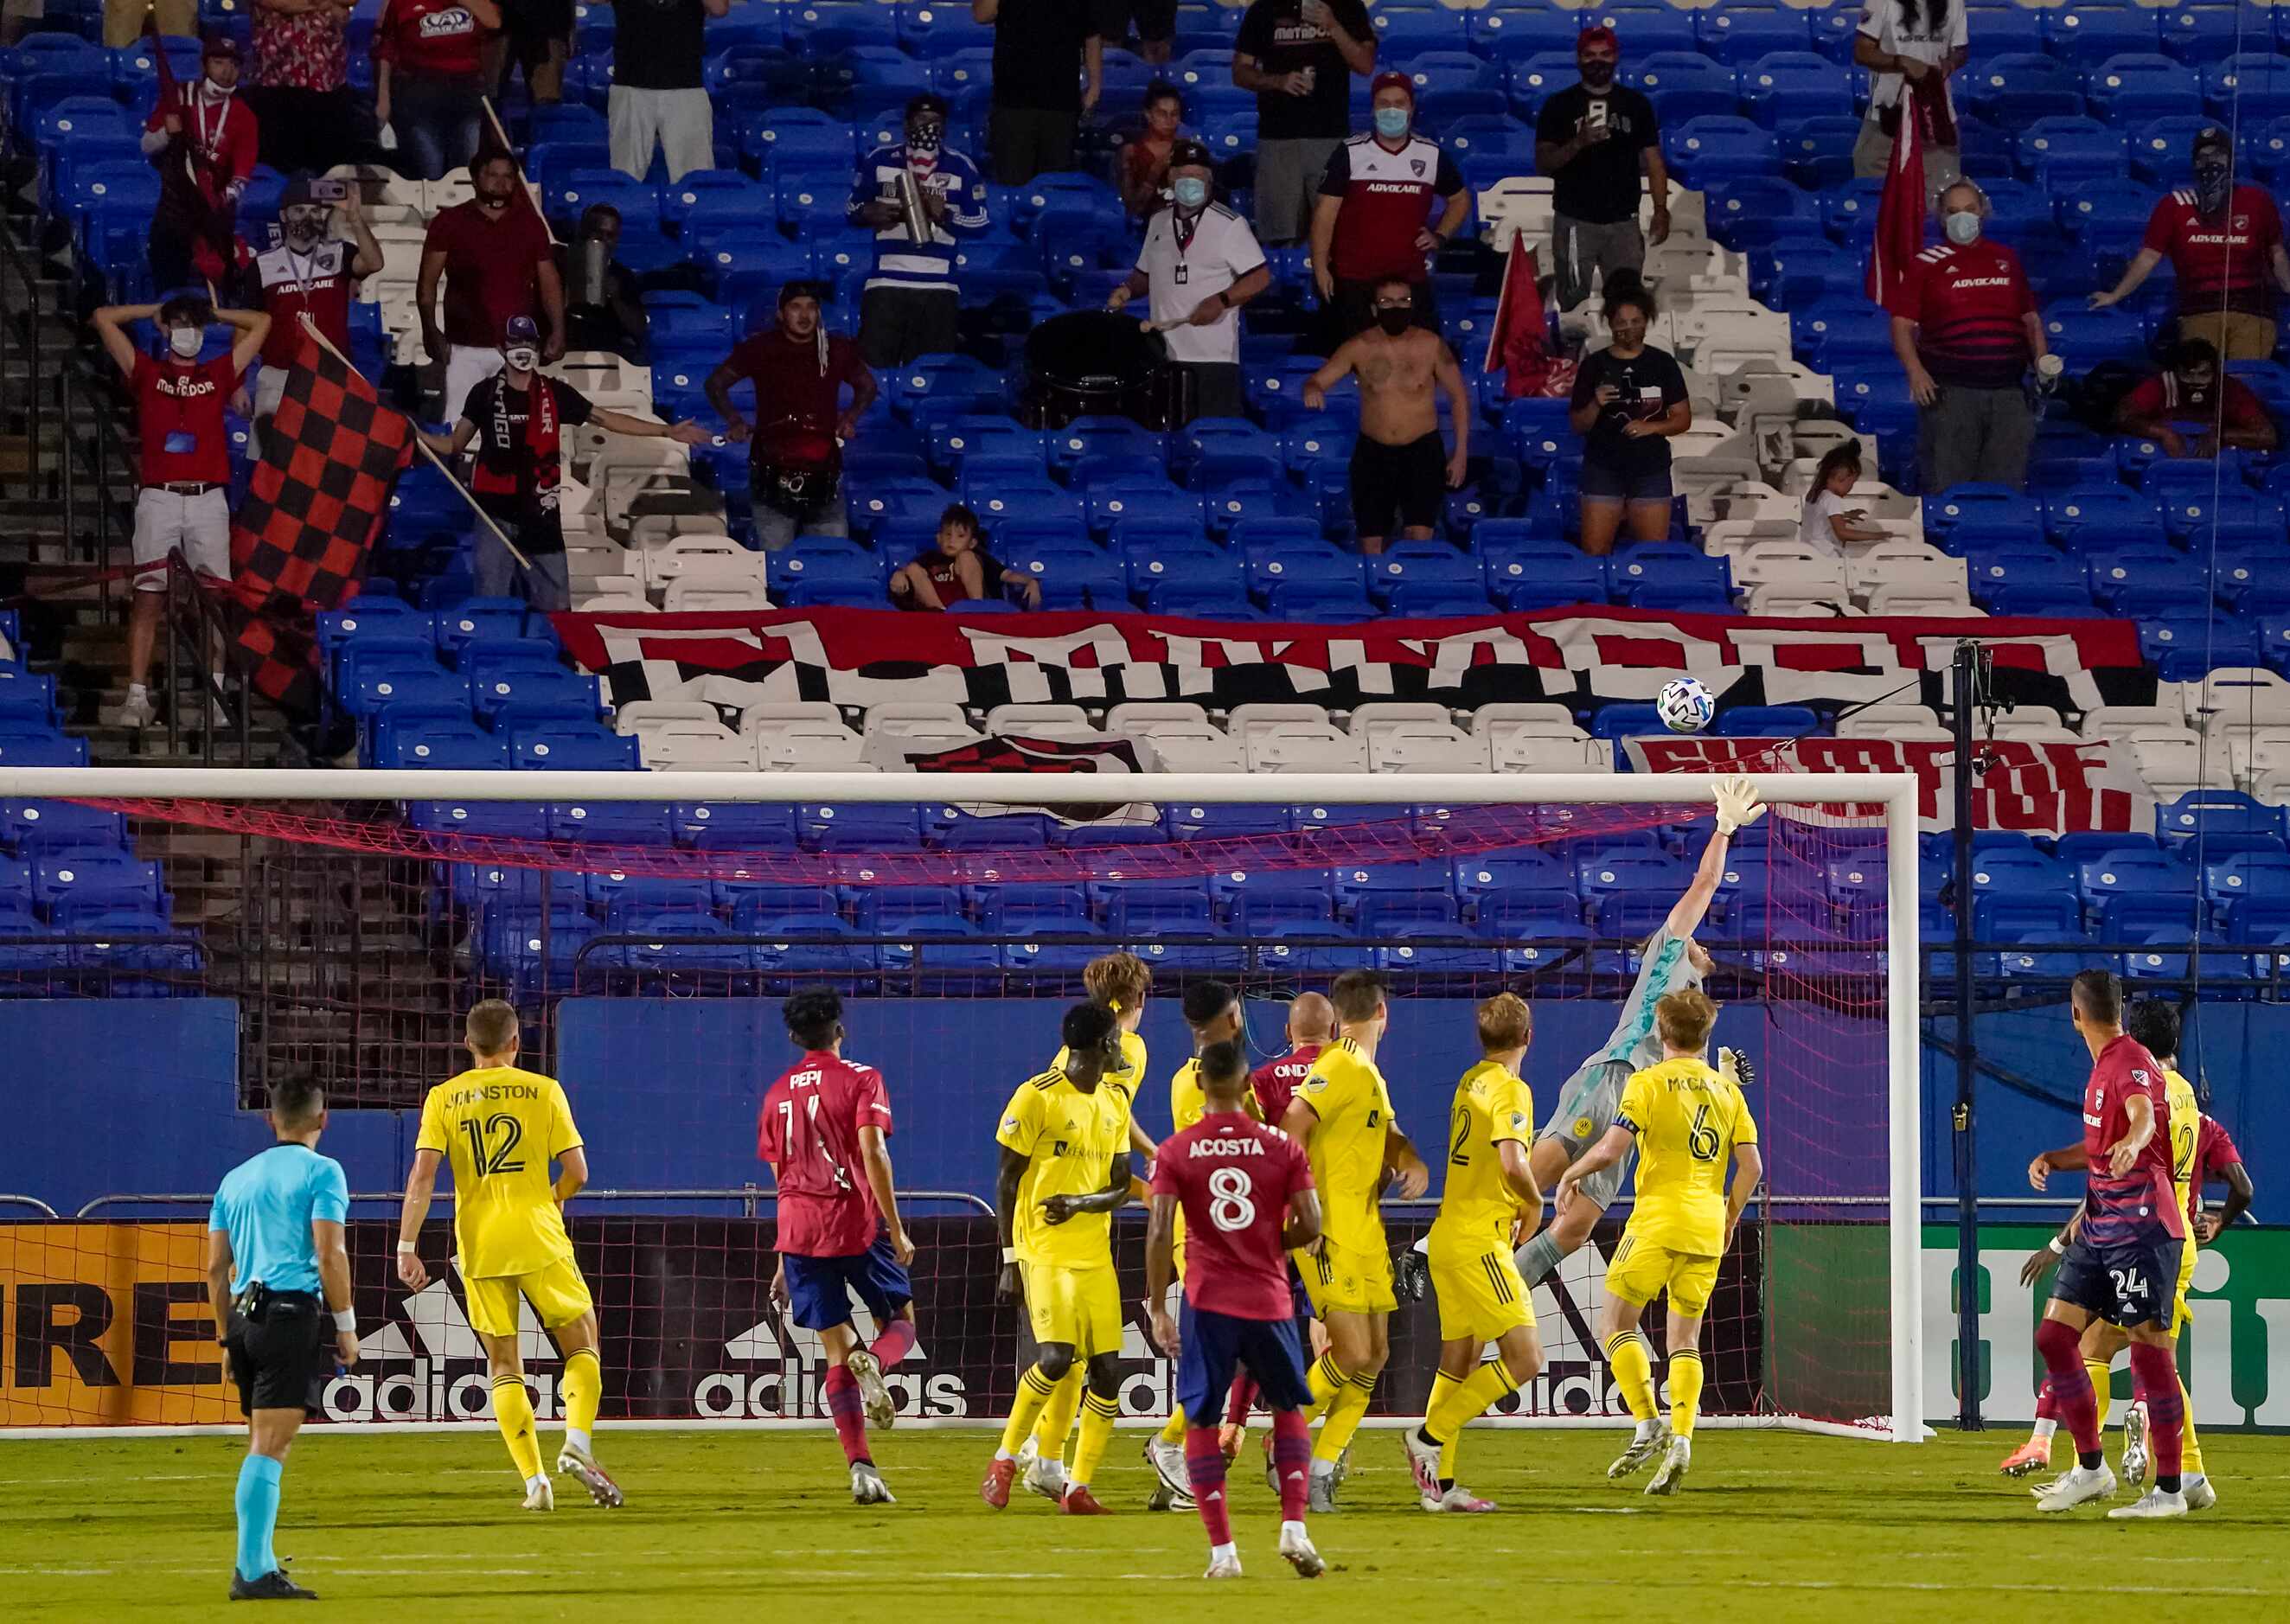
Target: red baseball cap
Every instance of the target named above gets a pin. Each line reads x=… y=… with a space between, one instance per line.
x=1391 y=79
x=1599 y=36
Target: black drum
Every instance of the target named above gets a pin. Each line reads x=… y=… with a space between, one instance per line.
x=1090 y=362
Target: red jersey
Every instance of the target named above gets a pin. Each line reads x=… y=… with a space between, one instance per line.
x=219 y=140
x=2164 y=399
x=437 y=37
x=178 y=406
x=293 y=281
x=798 y=394
x=1232 y=1176
x=808 y=1130
x=2121 y=1207
x=492 y=268
x=2214 y=1153
x=1387 y=199
x=2224 y=262
x=1969 y=306
x=1276 y=1082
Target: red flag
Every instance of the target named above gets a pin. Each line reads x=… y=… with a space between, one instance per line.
x=1523 y=346
x=1901 y=211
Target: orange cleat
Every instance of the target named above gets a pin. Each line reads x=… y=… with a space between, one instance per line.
x=2033 y=1456
x=1080 y=1502
x=1230 y=1440
x=996 y=1490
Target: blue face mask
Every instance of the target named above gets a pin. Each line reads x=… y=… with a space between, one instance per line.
x=1190 y=193
x=1392 y=122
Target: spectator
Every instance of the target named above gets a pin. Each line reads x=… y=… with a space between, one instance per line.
x=1827 y=523
x=204 y=141
x=298 y=86
x=2224 y=242
x=536 y=39
x=313 y=271
x=1913 y=46
x=1595 y=139
x=1299 y=57
x=2190 y=410
x=1399 y=469
x=660 y=89
x=183 y=504
x=1966 y=329
x=123 y=21
x=1629 y=398
x=604 y=299
x=429 y=80
x=912 y=305
x=519 y=418
x=1144 y=171
x=957 y=568
x=496 y=260
x=793 y=446
x=1042 y=50
x=1368 y=223
x=1200 y=263
x=1157 y=26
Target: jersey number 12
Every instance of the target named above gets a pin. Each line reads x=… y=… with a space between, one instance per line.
x=497 y=1160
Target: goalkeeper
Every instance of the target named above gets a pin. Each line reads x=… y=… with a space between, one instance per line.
x=1670 y=960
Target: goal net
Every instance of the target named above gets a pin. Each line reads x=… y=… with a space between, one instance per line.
x=648 y=926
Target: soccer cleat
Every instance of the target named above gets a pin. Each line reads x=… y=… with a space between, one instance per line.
x=1230 y=1439
x=1168 y=1463
x=1641 y=1451
x=1079 y=1501
x=1297 y=1550
x=995 y=1490
x=2081 y=1483
x=2134 y=1442
x=868 y=1487
x=1046 y=1477
x=1344 y=1463
x=580 y=1463
x=2033 y=1456
x=875 y=1398
x=1423 y=1460
x=1320 y=1494
x=272 y=1587
x=2200 y=1495
x=1674 y=1467
x=539 y=1496
x=1459 y=1499
x=1223 y=1567
x=2154 y=1503
x=1411 y=1274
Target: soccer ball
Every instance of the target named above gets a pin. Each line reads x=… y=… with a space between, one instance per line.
x=1685 y=705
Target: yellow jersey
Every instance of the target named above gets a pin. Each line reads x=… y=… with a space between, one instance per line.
x=1129 y=1076
x=1069 y=1137
x=499 y=1128
x=1493 y=1104
x=2186 y=1127
x=1348 y=1094
x=1687 y=1119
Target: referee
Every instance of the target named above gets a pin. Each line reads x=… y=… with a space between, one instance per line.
x=274 y=1247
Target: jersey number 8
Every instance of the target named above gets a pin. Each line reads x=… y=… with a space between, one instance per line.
x=1230 y=1206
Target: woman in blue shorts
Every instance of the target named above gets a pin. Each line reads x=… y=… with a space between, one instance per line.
x=1629 y=398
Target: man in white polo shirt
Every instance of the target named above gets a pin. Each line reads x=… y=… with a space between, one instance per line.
x=1201 y=264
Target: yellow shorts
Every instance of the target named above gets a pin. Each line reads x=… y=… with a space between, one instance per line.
x=1347 y=1279
x=1078 y=1307
x=2186 y=1279
x=1481 y=1296
x=557 y=1293
x=1640 y=1272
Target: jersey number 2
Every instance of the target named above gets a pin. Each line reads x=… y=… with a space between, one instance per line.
x=1456 y=1153
x=497 y=1160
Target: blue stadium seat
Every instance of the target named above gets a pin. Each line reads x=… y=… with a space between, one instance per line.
x=535 y=948
x=1787 y=86
x=2146 y=577
x=1740 y=35
x=87 y=878
x=511 y=698
x=32 y=827
x=1713 y=148
x=1660 y=575
x=2091 y=36
x=2226 y=822
x=2011 y=90
x=707 y=946
x=2252 y=87
x=619 y=823
x=2130 y=890
x=2030 y=581
x=2134 y=89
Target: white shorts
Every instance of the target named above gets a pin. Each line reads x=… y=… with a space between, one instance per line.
x=682 y=123
x=467 y=366
x=199 y=524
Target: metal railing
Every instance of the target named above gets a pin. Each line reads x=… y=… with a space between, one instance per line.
x=751 y=1198
x=36 y=1204
x=212 y=649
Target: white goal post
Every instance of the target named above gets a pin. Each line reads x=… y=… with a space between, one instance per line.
x=1896 y=794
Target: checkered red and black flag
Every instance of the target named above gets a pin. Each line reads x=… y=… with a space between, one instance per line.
x=313 y=511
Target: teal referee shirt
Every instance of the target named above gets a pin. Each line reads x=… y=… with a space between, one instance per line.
x=267 y=1204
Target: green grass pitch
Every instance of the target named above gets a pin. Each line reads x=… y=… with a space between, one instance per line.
x=1774 y=1527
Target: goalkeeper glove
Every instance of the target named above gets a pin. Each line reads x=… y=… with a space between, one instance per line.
x=1734 y=1067
x=1738 y=805
x=1411 y=1274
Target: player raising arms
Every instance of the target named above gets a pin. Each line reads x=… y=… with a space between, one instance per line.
x=1687 y=1119
x=2198 y=1145
x=823 y=1118
x=1342 y=1117
x=1213 y=1011
x=1065 y=1171
x=2127 y=1242
x=500 y=1127
x=1490 y=1182
x=1244 y=1191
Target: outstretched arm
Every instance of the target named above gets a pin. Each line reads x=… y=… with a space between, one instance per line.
x=1738 y=806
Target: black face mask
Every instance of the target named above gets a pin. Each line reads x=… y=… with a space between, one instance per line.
x=2214 y=183
x=1395 y=322
x=1598 y=77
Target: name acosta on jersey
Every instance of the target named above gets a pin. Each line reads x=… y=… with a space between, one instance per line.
x=1216 y=1148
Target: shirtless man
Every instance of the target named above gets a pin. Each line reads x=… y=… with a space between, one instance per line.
x=1397 y=466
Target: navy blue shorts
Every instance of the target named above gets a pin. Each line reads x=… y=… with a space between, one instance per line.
x=1214 y=1345
x=1605 y=481
x=2131 y=1282
x=819 y=1288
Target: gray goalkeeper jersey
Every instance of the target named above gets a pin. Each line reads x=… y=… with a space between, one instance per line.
x=1587 y=1102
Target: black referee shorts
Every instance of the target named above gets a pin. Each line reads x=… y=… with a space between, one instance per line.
x=281 y=1359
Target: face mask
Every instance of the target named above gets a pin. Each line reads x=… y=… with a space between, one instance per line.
x=1395 y=322
x=1597 y=76
x=521 y=360
x=925 y=139
x=214 y=91
x=2212 y=182
x=1392 y=122
x=1190 y=193
x=303 y=228
x=185 y=341
x=1963 y=229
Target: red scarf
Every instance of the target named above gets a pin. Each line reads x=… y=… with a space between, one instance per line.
x=541 y=429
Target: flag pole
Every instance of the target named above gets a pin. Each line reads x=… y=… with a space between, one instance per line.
x=421 y=445
x=501 y=135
